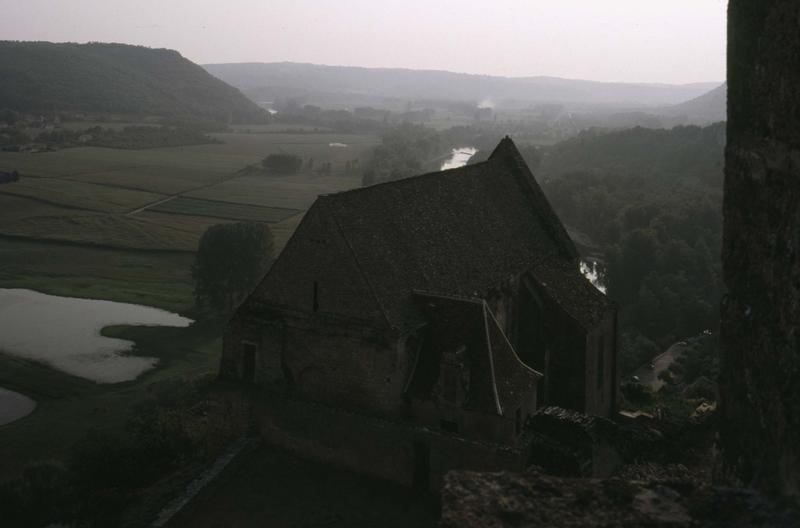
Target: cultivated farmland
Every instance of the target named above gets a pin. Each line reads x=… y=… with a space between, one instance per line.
x=79 y=195
x=165 y=198
x=230 y=211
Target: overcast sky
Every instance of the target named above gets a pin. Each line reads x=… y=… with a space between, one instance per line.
x=672 y=41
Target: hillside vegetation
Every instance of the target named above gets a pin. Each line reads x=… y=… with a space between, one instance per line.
x=708 y=108
x=651 y=201
x=681 y=153
x=43 y=77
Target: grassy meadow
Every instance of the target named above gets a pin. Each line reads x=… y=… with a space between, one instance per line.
x=185 y=205
x=122 y=225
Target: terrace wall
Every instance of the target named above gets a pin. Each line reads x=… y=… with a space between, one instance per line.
x=408 y=455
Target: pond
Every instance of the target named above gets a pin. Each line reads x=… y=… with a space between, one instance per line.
x=458 y=157
x=14 y=406
x=64 y=333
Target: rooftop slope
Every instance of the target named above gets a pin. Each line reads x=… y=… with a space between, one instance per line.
x=115 y=78
x=459 y=232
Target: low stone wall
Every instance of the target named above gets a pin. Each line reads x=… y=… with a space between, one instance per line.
x=206 y=482
x=508 y=500
x=402 y=453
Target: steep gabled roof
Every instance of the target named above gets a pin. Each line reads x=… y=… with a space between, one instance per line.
x=461 y=231
x=572 y=292
x=507 y=152
x=498 y=379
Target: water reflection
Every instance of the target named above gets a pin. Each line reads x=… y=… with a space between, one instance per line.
x=459 y=157
x=590 y=271
x=64 y=332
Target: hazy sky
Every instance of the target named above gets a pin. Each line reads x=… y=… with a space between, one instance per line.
x=675 y=41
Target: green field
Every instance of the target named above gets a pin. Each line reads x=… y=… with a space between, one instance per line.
x=276 y=128
x=160 y=179
x=83 y=125
x=231 y=211
x=79 y=195
x=161 y=279
x=15 y=208
x=165 y=198
x=297 y=192
x=104 y=230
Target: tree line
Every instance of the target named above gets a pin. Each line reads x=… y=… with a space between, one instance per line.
x=651 y=200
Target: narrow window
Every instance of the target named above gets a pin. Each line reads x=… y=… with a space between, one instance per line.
x=601 y=362
x=316 y=296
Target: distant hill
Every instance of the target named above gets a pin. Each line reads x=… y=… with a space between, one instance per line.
x=708 y=108
x=266 y=80
x=115 y=78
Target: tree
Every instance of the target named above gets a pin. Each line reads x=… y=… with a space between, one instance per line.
x=282 y=163
x=230 y=260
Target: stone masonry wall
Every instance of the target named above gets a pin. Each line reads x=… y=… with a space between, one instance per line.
x=345 y=367
x=373 y=446
x=760 y=379
x=340 y=364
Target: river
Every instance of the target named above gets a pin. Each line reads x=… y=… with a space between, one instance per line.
x=590 y=271
x=64 y=333
x=458 y=157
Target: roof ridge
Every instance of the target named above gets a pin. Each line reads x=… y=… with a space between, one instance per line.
x=506 y=147
x=448 y=296
x=491 y=359
x=255 y=291
x=507 y=153
x=404 y=180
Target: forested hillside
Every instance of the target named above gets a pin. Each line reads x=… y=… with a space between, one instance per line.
x=42 y=77
x=651 y=200
x=681 y=153
x=708 y=108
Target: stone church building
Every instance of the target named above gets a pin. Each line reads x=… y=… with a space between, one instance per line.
x=445 y=307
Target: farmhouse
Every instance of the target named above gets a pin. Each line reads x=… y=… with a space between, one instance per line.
x=425 y=320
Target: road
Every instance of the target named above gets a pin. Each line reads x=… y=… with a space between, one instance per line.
x=649 y=376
